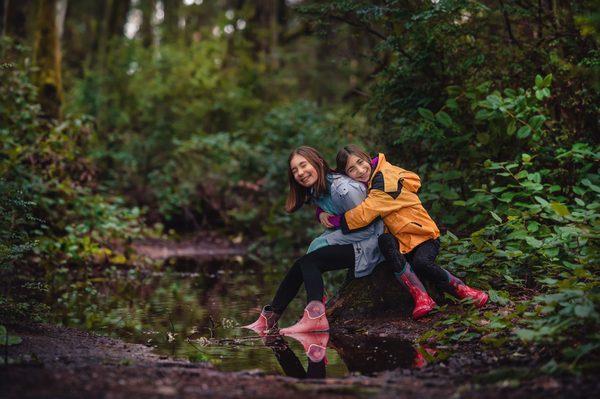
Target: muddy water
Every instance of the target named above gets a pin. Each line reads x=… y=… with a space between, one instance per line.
x=194 y=310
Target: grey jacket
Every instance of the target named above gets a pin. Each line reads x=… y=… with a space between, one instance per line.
x=345 y=194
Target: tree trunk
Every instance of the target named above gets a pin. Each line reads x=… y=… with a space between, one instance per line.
x=15 y=17
x=171 y=22
x=118 y=18
x=47 y=57
x=146 y=29
x=264 y=29
x=375 y=295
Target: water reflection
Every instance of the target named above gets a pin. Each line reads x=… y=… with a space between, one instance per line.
x=289 y=362
x=370 y=354
x=195 y=315
x=361 y=354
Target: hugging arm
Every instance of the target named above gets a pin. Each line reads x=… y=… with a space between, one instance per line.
x=348 y=195
x=378 y=204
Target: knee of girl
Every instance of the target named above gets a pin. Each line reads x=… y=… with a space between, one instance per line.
x=418 y=264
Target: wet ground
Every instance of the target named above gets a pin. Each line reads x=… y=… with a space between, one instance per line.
x=60 y=362
x=176 y=332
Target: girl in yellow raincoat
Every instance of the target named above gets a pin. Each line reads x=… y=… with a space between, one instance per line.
x=413 y=235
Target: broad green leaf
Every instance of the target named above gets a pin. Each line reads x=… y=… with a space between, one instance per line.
x=495 y=216
x=533 y=242
x=483 y=114
x=536 y=121
x=546 y=92
x=591 y=185
x=551 y=252
x=427 y=114
x=539 y=81
x=526 y=334
x=584 y=310
x=533 y=227
x=560 y=209
x=542 y=201
x=499 y=297
x=494 y=100
x=522 y=174
x=444 y=119
x=523 y=132
x=452 y=236
x=511 y=128
x=539 y=94
x=452 y=104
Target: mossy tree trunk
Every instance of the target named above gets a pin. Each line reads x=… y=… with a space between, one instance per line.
x=47 y=57
x=376 y=295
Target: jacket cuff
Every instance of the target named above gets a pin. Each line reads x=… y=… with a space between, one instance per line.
x=318 y=213
x=347 y=230
x=344 y=225
x=335 y=220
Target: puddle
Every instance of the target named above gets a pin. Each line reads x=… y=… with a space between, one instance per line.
x=194 y=310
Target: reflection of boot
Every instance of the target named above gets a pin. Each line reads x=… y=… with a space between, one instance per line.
x=420 y=360
x=315 y=344
x=464 y=291
x=266 y=322
x=423 y=302
x=313 y=319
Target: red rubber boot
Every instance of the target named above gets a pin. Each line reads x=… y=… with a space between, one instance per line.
x=314 y=343
x=266 y=322
x=420 y=361
x=313 y=319
x=463 y=291
x=423 y=302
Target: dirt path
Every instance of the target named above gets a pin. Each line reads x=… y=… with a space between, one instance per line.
x=61 y=362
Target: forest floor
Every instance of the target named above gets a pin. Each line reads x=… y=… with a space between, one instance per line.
x=61 y=362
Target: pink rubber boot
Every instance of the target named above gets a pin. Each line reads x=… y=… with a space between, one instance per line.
x=314 y=343
x=423 y=302
x=266 y=322
x=464 y=291
x=313 y=319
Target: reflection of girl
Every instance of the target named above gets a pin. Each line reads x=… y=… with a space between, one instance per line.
x=393 y=198
x=311 y=180
x=315 y=346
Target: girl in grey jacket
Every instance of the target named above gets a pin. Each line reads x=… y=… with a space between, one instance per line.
x=312 y=181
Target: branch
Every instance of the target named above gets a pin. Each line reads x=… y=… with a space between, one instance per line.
x=507 y=25
x=355 y=89
x=359 y=25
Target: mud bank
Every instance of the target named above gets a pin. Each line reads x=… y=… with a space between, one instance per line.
x=62 y=362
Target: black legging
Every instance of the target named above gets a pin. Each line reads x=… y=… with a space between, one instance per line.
x=421 y=258
x=309 y=268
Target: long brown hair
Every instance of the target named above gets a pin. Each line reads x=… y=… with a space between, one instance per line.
x=341 y=159
x=298 y=194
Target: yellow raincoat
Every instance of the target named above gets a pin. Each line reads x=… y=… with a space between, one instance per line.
x=393 y=197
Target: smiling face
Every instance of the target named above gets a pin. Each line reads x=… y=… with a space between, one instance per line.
x=303 y=171
x=358 y=169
